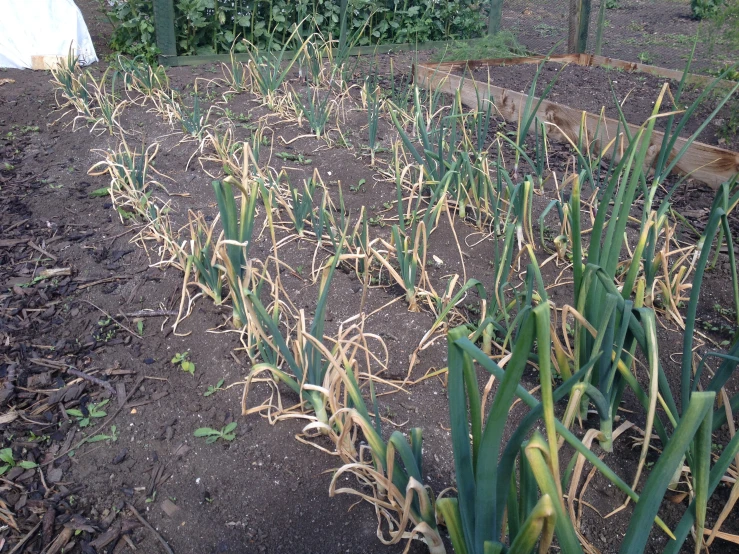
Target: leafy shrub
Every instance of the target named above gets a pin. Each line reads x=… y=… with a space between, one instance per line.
x=133 y=27
x=212 y=26
x=704 y=9
x=727 y=19
x=503 y=44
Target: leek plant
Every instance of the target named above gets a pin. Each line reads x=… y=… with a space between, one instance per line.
x=209 y=273
x=238 y=227
x=315 y=107
x=614 y=326
x=486 y=481
x=142 y=77
x=396 y=472
x=130 y=188
x=485 y=477
x=236 y=74
x=266 y=67
x=438 y=136
x=300 y=206
x=303 y=368
x=409 y=237
x=109 y=105
x=527 y=118
x=373 y=101
x=194 y=121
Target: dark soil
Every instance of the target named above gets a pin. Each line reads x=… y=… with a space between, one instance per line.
x=593 y=88
x=73 y=340
x=655 y=32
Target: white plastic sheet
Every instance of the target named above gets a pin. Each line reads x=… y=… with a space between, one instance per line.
x=34 y=33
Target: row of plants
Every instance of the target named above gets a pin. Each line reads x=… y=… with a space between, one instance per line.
x=512 y=495
x=214 y=26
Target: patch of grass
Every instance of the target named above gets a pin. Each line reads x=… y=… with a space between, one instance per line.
x=499 y=45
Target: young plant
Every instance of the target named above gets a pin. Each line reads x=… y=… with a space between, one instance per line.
x=315 y=106
x=214 y=389
x=303 y=368
x=182 y=359
x=300 y=206
x=212 y=435
x=7 y=461
x=395 y=471
x=209 y=273
x=89 y=413
x=236 y=74
x=194 y=122
x=266 y=66
x=438 y=136
x=373 y=101
x=238 y=227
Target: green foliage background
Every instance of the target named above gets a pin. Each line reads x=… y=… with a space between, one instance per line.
x=705 y=9
x=211 y=26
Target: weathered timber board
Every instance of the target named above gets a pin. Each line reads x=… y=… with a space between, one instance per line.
x=585 y=60
x=705 y=163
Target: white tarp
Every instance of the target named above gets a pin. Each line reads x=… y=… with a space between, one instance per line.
x=34 y=33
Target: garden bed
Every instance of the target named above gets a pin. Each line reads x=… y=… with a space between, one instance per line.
x=588 y=83
x=262 y=491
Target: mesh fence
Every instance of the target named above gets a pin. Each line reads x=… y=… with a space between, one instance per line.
x=654 y=32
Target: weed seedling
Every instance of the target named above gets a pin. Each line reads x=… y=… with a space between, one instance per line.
x=214 y=389
x=93 y=412
x=113 y=437
x=359 y=187
x=212 y=435
x=8 y=461
x=181 y=359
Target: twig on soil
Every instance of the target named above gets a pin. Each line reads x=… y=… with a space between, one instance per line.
x=107 y=386
x=119 y=235
x=149 y=313
x=60 y=541
x=14 y=225
x=101 y=282
x=130 y=331
x=18 y=547
x=150 y=528
x=39 y=249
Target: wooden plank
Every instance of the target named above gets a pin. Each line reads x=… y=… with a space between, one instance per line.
x=41 y=63
x=585 y=60
x=164 y=28
x=706 y=163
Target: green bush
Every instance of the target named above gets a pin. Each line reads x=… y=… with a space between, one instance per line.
x=133 y=27
x=212 y=26
x=727 y=19
x=705 y=9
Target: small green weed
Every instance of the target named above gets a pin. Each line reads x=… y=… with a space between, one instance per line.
x=8 y=461
x=182 y=360
x=94 y=411
x=214 y=389
x=212 y=435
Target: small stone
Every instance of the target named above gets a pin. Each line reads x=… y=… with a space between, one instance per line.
x=169 y=507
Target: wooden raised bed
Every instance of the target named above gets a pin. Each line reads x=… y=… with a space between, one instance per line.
x=705 y=163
